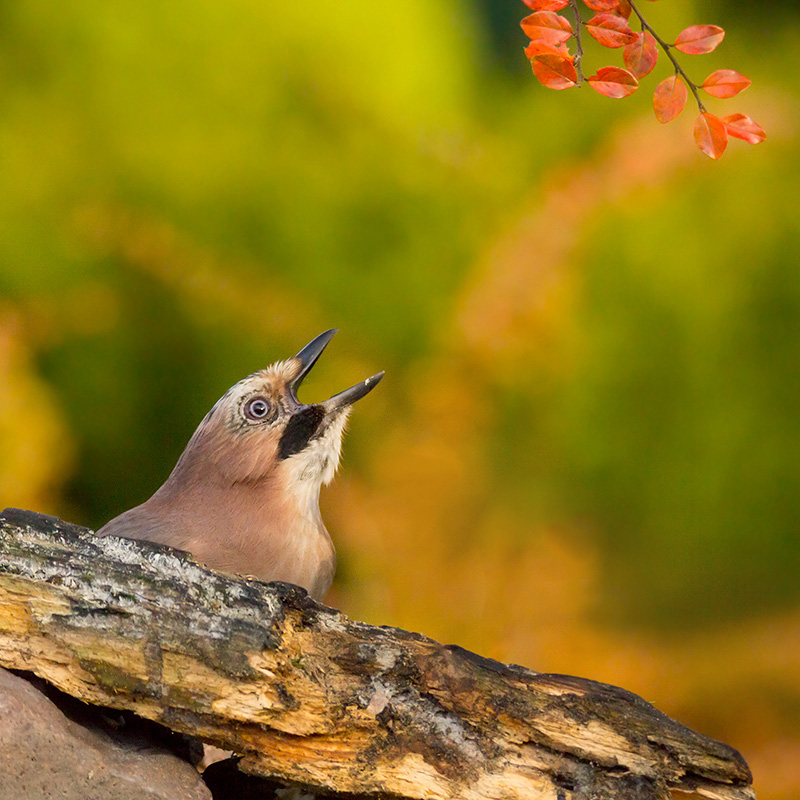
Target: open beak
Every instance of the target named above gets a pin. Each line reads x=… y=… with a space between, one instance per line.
x=307 y=421
x=309 y=355
x=349 y=396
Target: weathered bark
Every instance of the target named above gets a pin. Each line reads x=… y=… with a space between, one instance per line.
x=313 y=698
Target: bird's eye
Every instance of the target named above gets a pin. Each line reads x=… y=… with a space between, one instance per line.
x=257 y=409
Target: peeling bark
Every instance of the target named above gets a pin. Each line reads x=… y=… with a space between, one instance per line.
x=313 y=698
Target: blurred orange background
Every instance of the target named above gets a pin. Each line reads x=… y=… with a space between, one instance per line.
x=583 y=457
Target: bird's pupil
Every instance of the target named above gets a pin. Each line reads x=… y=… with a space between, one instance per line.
x=258 y=408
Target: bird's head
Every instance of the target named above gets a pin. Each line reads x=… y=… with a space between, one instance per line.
x=259 y=430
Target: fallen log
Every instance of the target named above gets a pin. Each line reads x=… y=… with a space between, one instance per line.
x=314 y=699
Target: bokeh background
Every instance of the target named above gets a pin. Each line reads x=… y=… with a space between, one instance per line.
x=585 y=455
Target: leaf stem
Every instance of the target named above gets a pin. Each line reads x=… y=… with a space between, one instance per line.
x=667 y=49
x=578 y=44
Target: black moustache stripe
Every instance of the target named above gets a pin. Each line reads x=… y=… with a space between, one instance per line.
x=299 y=430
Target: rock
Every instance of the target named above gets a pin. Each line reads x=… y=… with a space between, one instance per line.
x=79 y=752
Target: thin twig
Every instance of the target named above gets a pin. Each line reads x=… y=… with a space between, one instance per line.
x=578 y=44
x=666 y=48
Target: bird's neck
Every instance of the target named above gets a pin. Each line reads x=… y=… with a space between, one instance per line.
x=300 y=491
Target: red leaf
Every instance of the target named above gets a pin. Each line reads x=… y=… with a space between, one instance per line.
x=725 y=83
x=546 y=5
x=699 y=39
x=610 y=30
x=601 y=5
x=742 y=127
x=669 y=98
x=613 y=82
x=624 y=9
x=554 y=72
x=552 y=65
x=542 y=48
x=547 y=26
x=710 y=135
x=640 y=56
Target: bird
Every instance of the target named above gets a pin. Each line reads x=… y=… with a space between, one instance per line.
x=243 y=497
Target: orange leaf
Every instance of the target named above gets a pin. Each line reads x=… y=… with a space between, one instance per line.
x=742 y=127
x=669 y=98
x=725 y=83
x=699 y=39
x=613 y=82
x=547 y=26
x=545 y=5
x=554 y=72
x=710 y=135
x=542 y=48
x=640 y=56
x=610 y=30
x=624 y=9
x=601 y=5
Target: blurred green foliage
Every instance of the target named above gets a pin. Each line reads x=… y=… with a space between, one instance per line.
x=700 y=412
